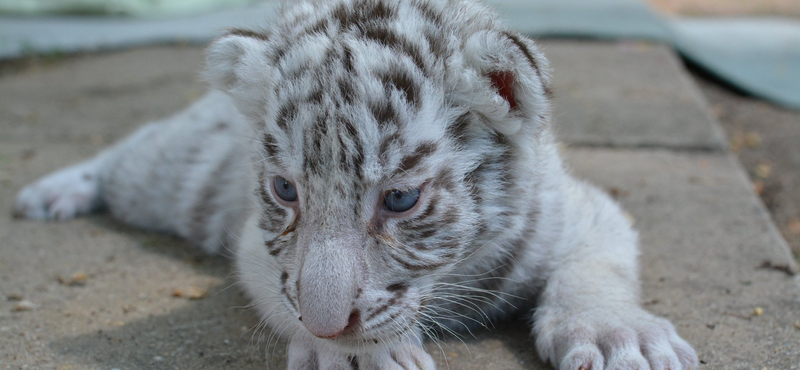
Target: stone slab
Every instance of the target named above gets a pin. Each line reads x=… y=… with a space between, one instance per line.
x=704 y=235
x=628 y=94
x=100 y=98
x=606 y=94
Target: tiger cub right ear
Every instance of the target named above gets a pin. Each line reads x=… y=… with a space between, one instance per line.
x=508 y=83
x=237 y=58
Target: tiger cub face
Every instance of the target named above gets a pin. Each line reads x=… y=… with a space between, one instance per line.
x=390 y=140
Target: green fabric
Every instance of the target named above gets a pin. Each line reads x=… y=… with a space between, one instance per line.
x=759 y=56
x=138 y=8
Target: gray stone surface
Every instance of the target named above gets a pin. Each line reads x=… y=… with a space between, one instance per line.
x=606 y=94
x=704 y=235
x=628 y=94
x=98 y=99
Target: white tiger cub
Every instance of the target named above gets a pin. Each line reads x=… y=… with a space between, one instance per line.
x=386 y=168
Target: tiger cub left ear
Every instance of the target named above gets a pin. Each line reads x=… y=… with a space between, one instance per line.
x=512 y=85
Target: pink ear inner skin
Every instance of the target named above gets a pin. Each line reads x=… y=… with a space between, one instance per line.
x=503 y=82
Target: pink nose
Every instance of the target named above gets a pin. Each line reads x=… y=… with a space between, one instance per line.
x=352 y=325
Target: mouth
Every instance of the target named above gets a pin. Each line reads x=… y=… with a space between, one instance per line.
x=351 y=330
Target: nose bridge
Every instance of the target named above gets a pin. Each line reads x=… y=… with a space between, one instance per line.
x=327 y=281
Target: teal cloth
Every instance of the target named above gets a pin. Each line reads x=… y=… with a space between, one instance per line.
x=760 y=56
x=757 y=55
x=137 y=8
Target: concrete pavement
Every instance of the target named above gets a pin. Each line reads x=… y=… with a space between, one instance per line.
x=635 y=124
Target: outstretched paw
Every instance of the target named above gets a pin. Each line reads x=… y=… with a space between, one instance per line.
x=312 y=354
x=61 y=195
x=638 y=341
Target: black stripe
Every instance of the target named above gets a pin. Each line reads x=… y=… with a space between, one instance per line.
x=525 y=50
x=397 y=43
x=353 y=362
x=400 y=80
x=421 y=152
x=248 y=33
x=270 y=145
x=459 y=129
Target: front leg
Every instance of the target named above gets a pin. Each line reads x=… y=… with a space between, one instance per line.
x=585 y=326
x=310 y=353
x=589 y=316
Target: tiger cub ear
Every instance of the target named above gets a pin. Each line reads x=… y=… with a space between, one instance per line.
x=511 y=85
x=238 y=57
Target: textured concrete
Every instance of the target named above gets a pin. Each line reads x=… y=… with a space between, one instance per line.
x=704 y=237
x=98 y=99
x=628 y=94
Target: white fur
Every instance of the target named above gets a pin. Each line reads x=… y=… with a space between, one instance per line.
x=196 y=175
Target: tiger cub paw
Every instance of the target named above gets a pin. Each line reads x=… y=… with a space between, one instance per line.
x=61 y=195
x=305 y=354
x=635 y=341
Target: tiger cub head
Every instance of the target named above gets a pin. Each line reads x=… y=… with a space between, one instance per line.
x=393 y=145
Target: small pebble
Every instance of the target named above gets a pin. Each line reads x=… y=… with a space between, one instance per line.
x=190 y=293
x=78 y=278
x=25 y=306
x=758 y=311
x=158 y=359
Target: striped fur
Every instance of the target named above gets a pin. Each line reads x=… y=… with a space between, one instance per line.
x=349 y=100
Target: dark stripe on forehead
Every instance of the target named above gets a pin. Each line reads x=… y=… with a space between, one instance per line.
x=311 y=154
x=393 y=139
x=315 y=96
x=400 y=80
x=459 y=129
x=270 y=145
x=348 y=59
x=421 y=152
x=436 y=43
x=358 y=154
x=361 y=13
x=444 y=179
x=319 y=27
x=286 y=113
x=346 y=91
x=397 y=43
x=384 y=113
x=429 y=13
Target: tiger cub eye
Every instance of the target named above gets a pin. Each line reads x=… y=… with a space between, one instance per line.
x=400 y=201
x=285 y=189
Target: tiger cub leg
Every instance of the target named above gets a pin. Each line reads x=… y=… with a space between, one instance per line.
x=589 y=314
x=185 y=175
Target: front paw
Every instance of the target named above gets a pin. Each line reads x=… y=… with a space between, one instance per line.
x=634 y=340
x=319 y=354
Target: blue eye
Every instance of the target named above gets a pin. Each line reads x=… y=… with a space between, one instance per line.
x=400 y=201
x=285 y=189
